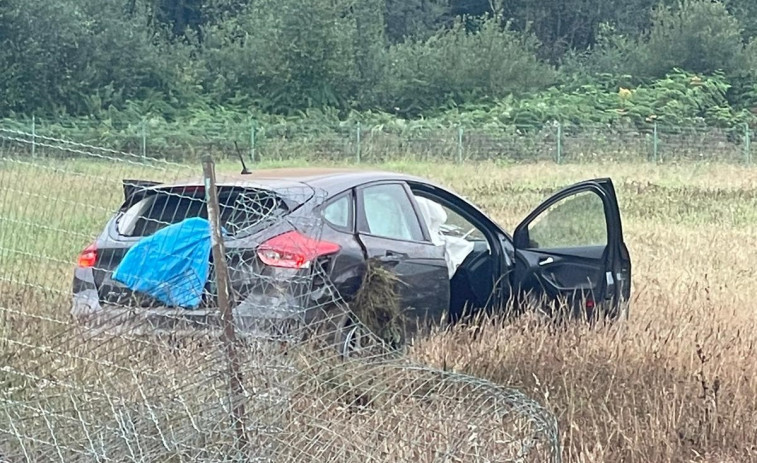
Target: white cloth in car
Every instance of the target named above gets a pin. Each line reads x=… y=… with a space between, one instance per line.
x=456 y=249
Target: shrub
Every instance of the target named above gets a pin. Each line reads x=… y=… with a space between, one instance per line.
x=696 y=35
x=455 y=66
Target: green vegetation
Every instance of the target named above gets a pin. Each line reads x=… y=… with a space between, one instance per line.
x=189 y=67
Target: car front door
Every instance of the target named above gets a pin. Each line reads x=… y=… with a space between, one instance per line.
x=570 y=251
x=395 y=238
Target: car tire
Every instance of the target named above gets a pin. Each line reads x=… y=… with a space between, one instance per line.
x=338 y=328
x=351 y=338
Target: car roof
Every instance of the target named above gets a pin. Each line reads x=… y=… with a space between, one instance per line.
x=332 y=181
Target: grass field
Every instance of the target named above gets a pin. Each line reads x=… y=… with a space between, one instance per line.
x=677 y=382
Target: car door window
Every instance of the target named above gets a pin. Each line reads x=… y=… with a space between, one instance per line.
x=339 y=213
x=389 y=213
x=577 y=220
x=453 y=224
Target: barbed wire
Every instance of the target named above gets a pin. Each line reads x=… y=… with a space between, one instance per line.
x=138 y=365
x=27 y=138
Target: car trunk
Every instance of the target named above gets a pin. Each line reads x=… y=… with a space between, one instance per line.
x=244 y=211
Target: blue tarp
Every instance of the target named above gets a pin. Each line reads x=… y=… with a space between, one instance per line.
x=171 y=265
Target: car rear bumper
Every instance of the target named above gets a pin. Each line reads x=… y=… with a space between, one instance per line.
x=266 y=317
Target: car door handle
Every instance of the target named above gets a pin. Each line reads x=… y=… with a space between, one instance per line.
x=546 y=261
x=392 y=257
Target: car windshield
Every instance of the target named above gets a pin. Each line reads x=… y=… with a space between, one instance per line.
x=243 y=210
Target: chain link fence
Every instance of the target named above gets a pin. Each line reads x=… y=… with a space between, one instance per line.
x=221 y=360
x=557 y=142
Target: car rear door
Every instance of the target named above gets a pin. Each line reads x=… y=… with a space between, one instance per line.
x=570 y=250
x=394 y=237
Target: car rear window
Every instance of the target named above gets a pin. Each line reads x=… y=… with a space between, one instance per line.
x=243 y=210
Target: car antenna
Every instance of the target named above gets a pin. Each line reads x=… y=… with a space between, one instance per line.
x=241 y=159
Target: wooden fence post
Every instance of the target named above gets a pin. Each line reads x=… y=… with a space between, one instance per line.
x=228 y=337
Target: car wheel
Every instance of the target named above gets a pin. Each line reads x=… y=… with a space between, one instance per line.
x=338 y=328
x=351 y=339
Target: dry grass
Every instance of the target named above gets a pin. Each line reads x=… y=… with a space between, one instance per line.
x=377 y=305
x=676 y=383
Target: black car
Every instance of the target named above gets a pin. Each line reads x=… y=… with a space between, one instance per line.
x=449 y=257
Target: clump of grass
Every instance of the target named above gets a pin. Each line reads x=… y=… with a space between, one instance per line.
x=377 y=305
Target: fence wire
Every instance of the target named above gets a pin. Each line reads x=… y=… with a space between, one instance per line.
x=557 y=141
x=136 y=365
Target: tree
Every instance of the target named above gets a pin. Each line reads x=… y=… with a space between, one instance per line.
x=283 y=56
x=746 y=12
x=417 y=19
x=179 y=14
x=456 y=66
x=80 y=56
x=695 y=35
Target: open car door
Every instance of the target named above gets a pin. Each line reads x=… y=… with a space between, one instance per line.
x=570 y=252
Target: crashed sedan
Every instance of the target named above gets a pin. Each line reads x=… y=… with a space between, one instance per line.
x=300 y=240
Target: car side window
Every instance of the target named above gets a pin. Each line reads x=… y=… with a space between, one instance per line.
x=339 y=212
x=575 y=221
x=450 y=223
x=389 y=213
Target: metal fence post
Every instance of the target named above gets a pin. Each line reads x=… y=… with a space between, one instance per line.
x=252 y=141
x=144 y=138
x=460 y=144
x=34 y=136
x=224 y=304
x=747 y=144
x=357 y=141
x=559 y=143
x=655 y=143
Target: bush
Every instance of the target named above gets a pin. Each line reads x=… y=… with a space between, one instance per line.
x=283 y=56
x=79 y=57
x=678 y=99
x=697 y=35
x=455 y=66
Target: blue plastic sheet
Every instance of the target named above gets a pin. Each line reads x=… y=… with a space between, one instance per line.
x=171 y=265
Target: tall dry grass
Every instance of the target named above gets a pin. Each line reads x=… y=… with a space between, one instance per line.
x=678 y=381
x=675 y=383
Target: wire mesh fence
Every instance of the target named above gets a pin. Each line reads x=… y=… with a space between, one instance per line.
x=203 y=325
x=355 y=142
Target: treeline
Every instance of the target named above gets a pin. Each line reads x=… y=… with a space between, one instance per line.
x=409 y=58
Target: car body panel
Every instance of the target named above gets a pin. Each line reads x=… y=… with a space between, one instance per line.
x=418 y=264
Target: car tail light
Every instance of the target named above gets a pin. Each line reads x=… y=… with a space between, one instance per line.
x=88 y=257
x=294 y=250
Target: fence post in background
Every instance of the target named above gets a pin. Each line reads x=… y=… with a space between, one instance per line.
x=559 y=143
x=252 y=141
x=144 y=138
x=460 y=131
x=747 y=144
x=34 y=136
x=358 y=142
x=224 y=304
x=655 y=143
